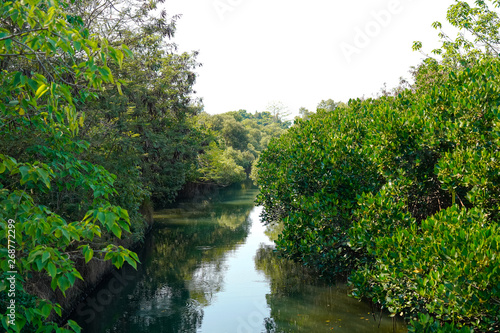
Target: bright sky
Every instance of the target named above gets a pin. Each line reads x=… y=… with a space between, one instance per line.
x=301 y=52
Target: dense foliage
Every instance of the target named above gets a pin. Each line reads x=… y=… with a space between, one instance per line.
x=234 y=141
x=402 y=192
x=46 y=57
x=310 y=178
x=98 y=123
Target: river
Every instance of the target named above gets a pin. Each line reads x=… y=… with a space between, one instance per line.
x=209 y=266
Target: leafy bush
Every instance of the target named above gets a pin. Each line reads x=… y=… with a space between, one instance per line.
x=406 y=190
x=53 y=203
x=310 y=178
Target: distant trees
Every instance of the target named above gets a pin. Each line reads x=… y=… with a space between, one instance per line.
x=327 y=105
x=304 y=113
x=279 y=111
x=236 y=140
x=235 y=134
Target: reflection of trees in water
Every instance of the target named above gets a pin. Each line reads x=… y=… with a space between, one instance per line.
x=287 y=277
x=208 y=195
x=206 y=282
x=273 y=230
x=187 y=267
x=296 y=295
x=300 y=302
x=164 y=311
x=182 y=269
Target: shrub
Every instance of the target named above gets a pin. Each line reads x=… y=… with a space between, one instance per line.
x=404 y=189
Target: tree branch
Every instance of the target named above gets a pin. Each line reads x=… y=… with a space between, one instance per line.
x=21 y=33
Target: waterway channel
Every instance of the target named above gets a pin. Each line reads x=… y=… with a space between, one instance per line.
x=209 y=266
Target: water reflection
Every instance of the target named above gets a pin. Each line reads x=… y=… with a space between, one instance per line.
x=183 y=268
x=209 y=267
x=300 y=302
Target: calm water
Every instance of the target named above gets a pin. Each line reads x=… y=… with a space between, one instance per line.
x=209 y=267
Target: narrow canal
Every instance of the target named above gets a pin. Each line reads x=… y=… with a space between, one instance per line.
x=209 y=266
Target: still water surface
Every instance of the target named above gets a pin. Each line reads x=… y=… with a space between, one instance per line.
x=209 y=267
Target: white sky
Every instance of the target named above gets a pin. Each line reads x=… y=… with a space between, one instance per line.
x=257 y=51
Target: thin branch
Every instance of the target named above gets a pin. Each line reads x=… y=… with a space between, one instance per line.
x=22 y=33
x=42 y=65
x=37 y=58
x=19 y=54
x=480 y=37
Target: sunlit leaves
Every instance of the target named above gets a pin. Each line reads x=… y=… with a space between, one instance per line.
x=118 y=255
x=417 y=176
x=310 y=178
x=38 y=110
x=478 y=37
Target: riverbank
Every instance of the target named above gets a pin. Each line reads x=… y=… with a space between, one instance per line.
x=97 y=274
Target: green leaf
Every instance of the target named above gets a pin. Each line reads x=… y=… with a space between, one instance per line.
x=118 y=260
x=45 y=176
x=63 y=283
x=134 y=256
x=110 y=219
x=101 y=216
x=131 y=262
x=74 y=326
x=105 y=72
x=71 y=278
x=8 y=43
x=88 y=253
x=119 y=86
x=58 y=309
x=17 y=79
x=46 y=309
x=116 y=230
x=24 y=170
x=42 y=89
x=127 y=51
x=51 y=269
x=39 y=264
x=33 y=84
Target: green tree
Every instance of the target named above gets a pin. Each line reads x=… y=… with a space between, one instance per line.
x=218 y=166
x=402 y=191
x=235 y=134
x=327 y=105
x=233 y=141
x=146 y=135
x=480 y=21
x=279 y=112
x=48 y=63
x=304 y=113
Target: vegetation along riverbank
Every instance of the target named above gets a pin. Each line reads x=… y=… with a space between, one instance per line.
x=401 y=193
x=99 y=125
